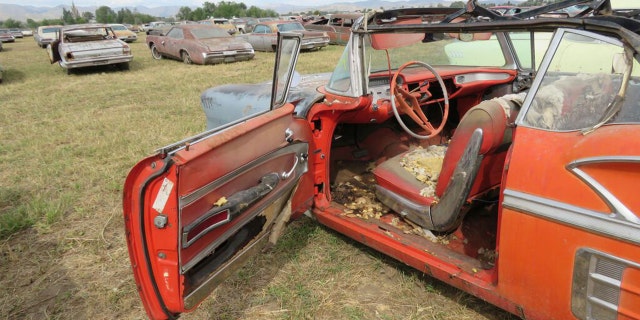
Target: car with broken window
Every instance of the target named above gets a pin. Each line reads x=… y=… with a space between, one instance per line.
x=264 y=35
x=46 y=34
x=510 y=175
x=89 y=45
x=199 y=44
x=337 y=26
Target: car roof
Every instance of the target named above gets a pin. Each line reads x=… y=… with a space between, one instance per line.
x=84 y=26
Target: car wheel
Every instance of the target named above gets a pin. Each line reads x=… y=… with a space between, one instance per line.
x=155 y=53
x=186 y=58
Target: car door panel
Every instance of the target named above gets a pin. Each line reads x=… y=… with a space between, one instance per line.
x=193 y=215
x=570 y=208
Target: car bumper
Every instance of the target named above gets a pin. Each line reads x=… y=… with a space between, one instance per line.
x=95 y=62
x=220 y=57
x=314 y=45
x=129 y=39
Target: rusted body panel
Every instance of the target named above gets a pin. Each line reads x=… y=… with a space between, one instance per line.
x=337 y=26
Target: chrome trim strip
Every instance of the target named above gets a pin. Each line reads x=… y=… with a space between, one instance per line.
x=481 y=76
x=297 y=149
x=592 y=221
x=617 y=207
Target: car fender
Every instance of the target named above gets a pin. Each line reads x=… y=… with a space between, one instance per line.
x=228 y=103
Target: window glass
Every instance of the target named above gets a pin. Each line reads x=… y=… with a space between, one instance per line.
x=578 y=88
x=261 y=29
x=175 y=33
x=341 y=77
x=522 y=46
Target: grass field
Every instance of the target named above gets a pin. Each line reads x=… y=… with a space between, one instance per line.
x=67 y=143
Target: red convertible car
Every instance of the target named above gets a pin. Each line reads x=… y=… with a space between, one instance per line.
x=199 y=44
x=486 y=151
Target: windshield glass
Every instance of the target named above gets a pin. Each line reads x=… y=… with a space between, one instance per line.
x=441 y=49
x=118 y=27
x=293 y=26
x=206 y=33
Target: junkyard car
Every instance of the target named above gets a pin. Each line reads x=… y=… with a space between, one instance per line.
x=27 y=32
x=337 y=26
x=88 y=45
x=200 y=44
x=6 y=36
x=221 y=23
x=16 y=33
x=123 y=32
x=511 y=180
x=263 y=37
x=45 y=35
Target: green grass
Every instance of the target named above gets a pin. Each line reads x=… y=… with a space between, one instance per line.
x=66 y=145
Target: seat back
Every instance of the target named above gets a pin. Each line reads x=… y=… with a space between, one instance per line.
x=493 y=117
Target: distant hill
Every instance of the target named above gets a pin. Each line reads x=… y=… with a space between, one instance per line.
x=24 y=12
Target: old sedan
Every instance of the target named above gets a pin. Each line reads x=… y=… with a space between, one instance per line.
x=200 y=44
x=337 y=26
x=6 y=36
x=488 y=152
x=88 y=45
x=45 y=35
x=123 y=32
x=263 y=37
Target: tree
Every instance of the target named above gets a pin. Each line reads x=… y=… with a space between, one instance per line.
x=198 y=14
x=184 y=13
x=125 y=16
x=67 y=17
x=87 y=16
x=32 y=23
x=457 y=4
x=105 y=14
x=209 y=9
x=11 y=23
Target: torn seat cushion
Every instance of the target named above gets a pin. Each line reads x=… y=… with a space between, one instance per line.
x=392 y=176
x=491 y=117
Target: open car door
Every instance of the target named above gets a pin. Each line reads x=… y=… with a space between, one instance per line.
x=570 y=225
x=197 y=209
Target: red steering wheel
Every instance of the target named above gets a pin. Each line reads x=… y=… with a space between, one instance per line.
x=407 y=102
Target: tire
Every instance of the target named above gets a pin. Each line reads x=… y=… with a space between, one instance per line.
x=186 y=58
x=155 y=53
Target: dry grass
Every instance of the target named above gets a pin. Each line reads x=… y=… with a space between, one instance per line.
x=66 y=145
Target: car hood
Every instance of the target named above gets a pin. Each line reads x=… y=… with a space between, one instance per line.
x=228 y=103
x=230 y=43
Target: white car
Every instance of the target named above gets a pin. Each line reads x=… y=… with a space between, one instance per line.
x=88 y=45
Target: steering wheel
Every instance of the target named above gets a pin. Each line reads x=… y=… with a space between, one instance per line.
x=407 y=102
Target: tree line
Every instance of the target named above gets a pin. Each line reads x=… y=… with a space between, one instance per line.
x=104 y=14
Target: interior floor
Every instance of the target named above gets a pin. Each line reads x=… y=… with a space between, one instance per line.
x=473 y=242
